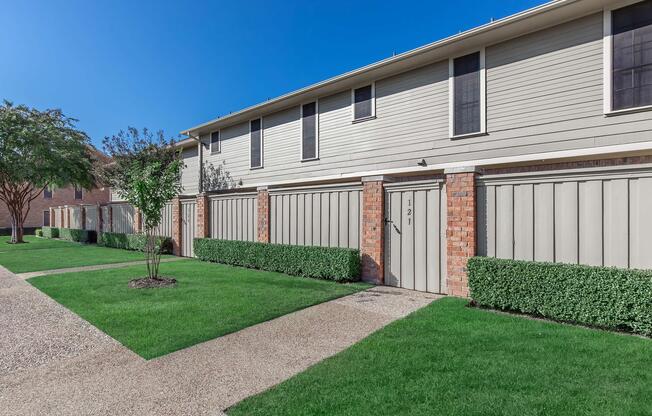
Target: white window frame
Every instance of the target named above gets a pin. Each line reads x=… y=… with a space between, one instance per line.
x=316 y=101
x=607 y=54
x=262 y=149
x=373 y=103
x=451 y=95
x=219 y=141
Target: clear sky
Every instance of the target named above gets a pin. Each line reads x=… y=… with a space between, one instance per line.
x=171 y=65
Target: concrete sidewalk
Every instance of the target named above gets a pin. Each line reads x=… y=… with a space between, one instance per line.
x=53 y=362
x=29 y=275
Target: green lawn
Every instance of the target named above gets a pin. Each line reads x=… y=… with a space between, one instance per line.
x=44 y=254
x=448 y=359
x=210 y=300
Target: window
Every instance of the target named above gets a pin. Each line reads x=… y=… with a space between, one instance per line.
x=78 y=193
x=628 y=57
x=467 y=96
x=215 y=142
x=364 y=102
x=47 y=193
x=46 y=218
x=256 y=143
x=309 y=131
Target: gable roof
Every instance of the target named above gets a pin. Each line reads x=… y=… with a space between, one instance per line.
x=536 y=18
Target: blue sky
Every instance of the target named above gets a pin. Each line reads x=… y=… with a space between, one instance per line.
x=172 y=65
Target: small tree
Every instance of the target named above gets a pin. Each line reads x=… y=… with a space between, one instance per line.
x=146 y=172
x=39 y=149
x=217 y=178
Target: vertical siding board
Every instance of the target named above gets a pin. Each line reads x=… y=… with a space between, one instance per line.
x=544 y=233
x=616 y=223
x=443 y=212
x=566 y=222
x=433 y=230
x=354 y=219
x=421 y=246
x=344 y=219
x=407 y=240
x=491 y=220
x=316 y=220
x=292 y=220
x=505 y=221
x=641 y=223
x=325 y=219
x=590 y=222
x=524 y=222
x=481 y=213
x=395 y=240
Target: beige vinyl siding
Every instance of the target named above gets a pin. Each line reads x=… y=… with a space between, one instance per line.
x=91 y=217
x=597 y=217
x=75 y=218
x=190 y=172
x=123 y=218
x=544 y=94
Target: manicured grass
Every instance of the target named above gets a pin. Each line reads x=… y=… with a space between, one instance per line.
x=43 y=254
x=210 y=300
x=448 y=359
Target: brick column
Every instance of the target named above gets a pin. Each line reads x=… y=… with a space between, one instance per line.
x=203 y=220
x=138 y=221
x=82 y=211
x=100 y=220
x=67 y=217
x=53 y=218
x=372 y=246
x=263 y=215
x=460 y=229
x=110 y=219
x=176 y=226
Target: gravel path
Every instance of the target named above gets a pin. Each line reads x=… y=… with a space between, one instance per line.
x=54 y=363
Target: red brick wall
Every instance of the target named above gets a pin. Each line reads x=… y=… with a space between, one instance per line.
x=460 y=230
x=176 y=226
x=372 y=244
x=64 y=196
x=263 y=216
x=203 y=224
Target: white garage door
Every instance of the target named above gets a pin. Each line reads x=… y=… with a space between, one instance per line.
x=415 y=235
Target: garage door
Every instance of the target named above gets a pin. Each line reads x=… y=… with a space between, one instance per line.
x=415 y=232
x=188 y=227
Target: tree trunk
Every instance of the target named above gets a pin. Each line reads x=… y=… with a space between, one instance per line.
x=16 y=227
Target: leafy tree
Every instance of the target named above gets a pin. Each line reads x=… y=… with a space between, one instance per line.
x=217 y=178
x=39 y=149
x=146 y=172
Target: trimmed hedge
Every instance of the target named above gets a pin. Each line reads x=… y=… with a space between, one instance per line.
x=597 y=296
x=333 y=263
x=50 y=232
x=38 y=232
x=80 y=236
x=135 y=242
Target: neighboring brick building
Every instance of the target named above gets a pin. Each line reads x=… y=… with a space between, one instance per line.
x=40 y=207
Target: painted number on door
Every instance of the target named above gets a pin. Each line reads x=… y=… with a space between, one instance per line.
x=409 y=212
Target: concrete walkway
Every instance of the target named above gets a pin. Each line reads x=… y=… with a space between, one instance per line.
x=29 y=275
x=54 y=363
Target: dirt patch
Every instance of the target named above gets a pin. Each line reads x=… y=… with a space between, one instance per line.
x=146 y=282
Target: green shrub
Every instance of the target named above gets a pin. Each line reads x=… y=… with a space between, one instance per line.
x=50 y=232
x=339 y=264
x=135 y=242
x=598 y=296
x=38 y=232
x=80 y=236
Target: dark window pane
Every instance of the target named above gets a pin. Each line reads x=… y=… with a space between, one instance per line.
x=632 y=56
x=362 y=102
x=47 y=193
x=215 y=141
x=46 y=218
x=309 y=133
x=78 y=193
x=466 y=99
x=256 y=144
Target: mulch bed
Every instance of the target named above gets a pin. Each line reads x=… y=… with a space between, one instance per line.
x=146 y=282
